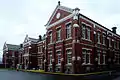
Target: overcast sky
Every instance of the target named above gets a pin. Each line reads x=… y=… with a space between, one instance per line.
x=21 y=17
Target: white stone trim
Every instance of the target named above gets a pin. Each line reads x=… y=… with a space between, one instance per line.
x=58 y=50
x=87 y=64
x=50 y=51
x=69 y=64
x=68 y=44
x=75 y=25
x=87 y=49
x=58 y=46
x=65 y=9
x=86 y=24
x=68 y=23
x=68 y=38
x=49 y=31
x=58 y=27
x=86 y=39
x=50 y=43
x=59 y=21
x=59 y=41
x=69 y=48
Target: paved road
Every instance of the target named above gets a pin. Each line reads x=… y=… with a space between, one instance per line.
x=15 y=75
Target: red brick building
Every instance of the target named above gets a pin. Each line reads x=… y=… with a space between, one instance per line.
x=21 y=52
x=75 y=43
x=30 y=59
x=41 y=52
x=10 y=55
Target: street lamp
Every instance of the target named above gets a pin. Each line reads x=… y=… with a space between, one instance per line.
x=6 y=58
x=29 y=56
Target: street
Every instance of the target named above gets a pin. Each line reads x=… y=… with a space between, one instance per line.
x=19 y=75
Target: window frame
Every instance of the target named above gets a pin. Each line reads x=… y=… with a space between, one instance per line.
x=58 y=34
x=86 y=52
x=88 y=33
x=50 y=34
x=83 y=31
x=69 y=60
x=99 y=38
x=104 y=39
x=59 y=57
x=68 y=30
x=50 y=59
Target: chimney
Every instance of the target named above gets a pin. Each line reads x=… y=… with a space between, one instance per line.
x=59 y=3
x=114 y=29
x=40 y=38
x=21 y=45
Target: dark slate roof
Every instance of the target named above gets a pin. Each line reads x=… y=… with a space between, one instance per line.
x=33 y=40
x=13 y=47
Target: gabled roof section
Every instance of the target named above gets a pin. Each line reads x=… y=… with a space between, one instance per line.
x=29 y=39
x=64 y=11
x=33 y=40
x=5 y=46
x=13 y=47
x=26 y=39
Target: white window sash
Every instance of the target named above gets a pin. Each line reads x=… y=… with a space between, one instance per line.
x=50 y=37
x=99 y=58
x=103 y=39
x=98 y=37
x=88 y=33
x=68 y=30
x=59 y=57
x=50 y=59
x=104 y=58
x=109 y=42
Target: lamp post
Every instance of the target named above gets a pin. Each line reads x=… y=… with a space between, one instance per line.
x=29 y=62
x=6 y=58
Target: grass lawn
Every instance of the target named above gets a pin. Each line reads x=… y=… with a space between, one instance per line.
x=58 y=73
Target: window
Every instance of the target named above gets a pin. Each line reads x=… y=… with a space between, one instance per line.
x=104 y=39
x=86 y=56
x=109 y=42
x=117 y=58
x=114 y=44
x=13 y=54
x=98 y=37
x=39 y=49
x=58 y=34
x=50 y=58
x=104 y=56
x=69 y=57
x=83 y=31
x=68 y=30
x=59 y=57
x=117 y=44
x=88 y=33
x=51 y=37
x=98 y=58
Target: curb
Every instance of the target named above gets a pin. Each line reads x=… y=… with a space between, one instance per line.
x=63 y=74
